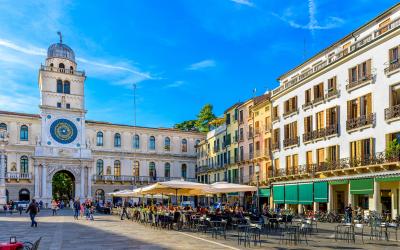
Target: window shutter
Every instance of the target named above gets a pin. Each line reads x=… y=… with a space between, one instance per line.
x=369 y=103
x=334 y=82
x=368 y=67
x=350 y=78
x=337 y=153
x=358 y=149
x=337 y=115
x=328 y=117
x=348 y=110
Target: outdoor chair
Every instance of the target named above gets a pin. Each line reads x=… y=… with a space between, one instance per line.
x=219 y=229
x=32 y=246
x=289 y=235
x=344 y=231
x=359 y=227
x=255 y=233
x=393 y=226
x=243 y=235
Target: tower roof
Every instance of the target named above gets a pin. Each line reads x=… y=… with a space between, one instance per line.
x=61 y=50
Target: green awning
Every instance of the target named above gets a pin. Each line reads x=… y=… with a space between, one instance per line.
x=264 y=192
x=387 y=179
x=279 y=194
x=362 y=186
x=339 y=182
x=305 y=193
x=291 y=194
x=321 y=192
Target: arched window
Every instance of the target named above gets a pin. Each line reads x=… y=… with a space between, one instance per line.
x=3 y=126
x=152 y=143
x=60 y=88
x=152 y=170
x=135 y=170
x=136 y=142
x=24 y=195
x=99 y=167
x=67 y=87
x=51 y=65
x=167 y=170
x=108 y=170
x=71 y=69
x=23 y=133
x=61 y=65
x=99 y=141
x=184 y=145
x=167 y=144
x=117 y=168
x=24 y=164
x=184 y=171
x=117 y=140
x=99 y=195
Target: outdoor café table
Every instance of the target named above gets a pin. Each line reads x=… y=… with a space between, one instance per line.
x=346 y=230
x=11 y=246
x=384 y=230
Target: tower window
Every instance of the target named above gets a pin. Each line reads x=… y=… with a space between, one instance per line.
x=58 y=104
x=59 y=86
x=68 y=106
x=67 y=87
x=61 y=66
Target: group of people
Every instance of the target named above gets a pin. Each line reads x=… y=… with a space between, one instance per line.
x=86 y=208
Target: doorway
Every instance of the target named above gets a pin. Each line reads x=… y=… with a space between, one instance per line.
x=63 y=185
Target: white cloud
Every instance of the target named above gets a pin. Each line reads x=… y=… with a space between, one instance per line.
x=202 y=65
x=175 y=84
x=244 y=2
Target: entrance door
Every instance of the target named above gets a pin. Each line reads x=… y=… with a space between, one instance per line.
x=24 y=195
x=386 y=201
x=340 y=202
x=63 y=185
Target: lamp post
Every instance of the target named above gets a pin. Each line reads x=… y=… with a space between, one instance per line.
x=257 y=170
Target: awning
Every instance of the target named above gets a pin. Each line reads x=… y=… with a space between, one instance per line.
x=362 y=186
x=387 y=179
x=291 y=194
x=279 y=194
x=264 y=192
x=305 y=193
x=321 y=192
x=338 y=182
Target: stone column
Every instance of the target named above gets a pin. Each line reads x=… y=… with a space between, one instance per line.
x=315 y=206
x=393 y=209
x=376 y=197
x=330 y=198
x=89 y=183
x=36 y=181
x=300 y=209
x=350 y=197
x=3 y=198
x=82 y=194
x=44 y=182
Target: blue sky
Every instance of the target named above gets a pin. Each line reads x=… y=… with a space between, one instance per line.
x=180 y=53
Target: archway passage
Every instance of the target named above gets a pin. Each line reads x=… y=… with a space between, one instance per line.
x=63 y=185
x=24 y=195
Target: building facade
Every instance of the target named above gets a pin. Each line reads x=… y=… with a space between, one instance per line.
x=100 y=157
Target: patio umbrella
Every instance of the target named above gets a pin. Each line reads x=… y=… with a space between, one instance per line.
x=225 y=187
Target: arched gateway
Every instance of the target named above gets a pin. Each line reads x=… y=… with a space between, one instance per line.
x=63 y=186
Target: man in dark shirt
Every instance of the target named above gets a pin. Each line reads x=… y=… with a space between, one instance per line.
x=124 y=210
x=77 y=208
x=348 y=213
x=33 y=209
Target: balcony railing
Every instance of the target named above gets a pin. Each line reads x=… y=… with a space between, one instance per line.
x=307 y=105
x=289 y=112
x=257 y=131
x=275 y=146
x=308 y=136
x=332 y=93
x=359 y=122
x=331 y=130
x=291 y=142
x=318 y=133
x=18 y=176
x=250 y=135
x=62 y=70
x=318 y=99
x=268 y=129
x=358 y=82
x=134 y=179
x=392 y=112
x=394 y=24
x=392 y=67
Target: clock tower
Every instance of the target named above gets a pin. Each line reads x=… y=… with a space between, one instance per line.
x=62 y=105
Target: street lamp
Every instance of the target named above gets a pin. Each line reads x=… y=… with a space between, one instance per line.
x=257 y=170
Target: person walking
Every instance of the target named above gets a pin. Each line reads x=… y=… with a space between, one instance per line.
x=54 y=207
x=124 y=210
x=77 y=208
x=33 y=210
x=348 y=211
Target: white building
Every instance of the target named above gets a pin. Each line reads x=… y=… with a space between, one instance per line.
x=99 y=157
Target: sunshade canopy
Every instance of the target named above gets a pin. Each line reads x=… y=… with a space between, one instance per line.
x=225 y=187
x=177 y=187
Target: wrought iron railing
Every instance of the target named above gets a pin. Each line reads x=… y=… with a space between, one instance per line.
x=392 y=67
x=361 y=121
x=331 y=93
x=318 y=99
x=354 y=83
x=275 y=146
x=134 y=179
x=308 y=136
x=307 y=105
x=290 y=111
x=287 y=142
x=392 y=112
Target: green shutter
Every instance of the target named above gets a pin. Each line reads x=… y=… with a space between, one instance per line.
x=264 y=192
x=362 y=186
x=291 y=194
x=387 y=179
x=279 y=194
x=321 y=192
x=305 y=193
x=339 y=182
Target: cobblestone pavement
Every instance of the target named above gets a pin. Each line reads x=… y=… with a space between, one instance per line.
x=109 y=232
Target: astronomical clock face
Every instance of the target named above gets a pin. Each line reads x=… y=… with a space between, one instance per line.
x=63 y=131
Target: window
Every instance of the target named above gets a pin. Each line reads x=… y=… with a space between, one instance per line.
x=24 y=164
x=23 y=133
x=152 y=169
x=184 y=171
x=3 y=126
x=167 y=144
x=228 y=118
x=332 y=153
x=68 y=106
x=67 y=87
x=184 y=145
x=308 y=124
x=236 y=114
x=136 y=142
x=291 y=130
x=275 y=112
x=332 y=84
x=290 y=105
x=59 y=86
x=360 y=72
x=361 y=106
x=152 y=143
x=361 y=150
x=320 y=122
x=241 y=116
x=117 y=168
x=394 y=55
x=117 y=140
x=136 y=171
x=241 y=153
x=58 y=104
x=319 y=92
x=61 y=65
x=332 y=117
x=167 y=170
x=307 y=96
x=100 y=167
x=99 y=139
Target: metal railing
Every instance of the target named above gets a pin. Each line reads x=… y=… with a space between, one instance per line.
x=361 y=121
x=290 y=111
x=275 y=146
x=287 y=142
x=308 y=136
x=134 y=179
x=355 y=83
x=392 y=112
x=318 y=99
x=331 y=93
x=392 y=67
x=62 y=70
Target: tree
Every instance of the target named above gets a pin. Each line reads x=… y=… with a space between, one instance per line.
x=204 y=118
x=62 y=186
x=393 y=150
x=189 y=125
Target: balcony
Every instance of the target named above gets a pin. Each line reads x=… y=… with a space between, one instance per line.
x=331 y=130
x=250 y=135
x=364 y=80
x=307 y=105
x=318 y=134
x=275 y=119
x=394 y=67
x=289 y=142
x=361 y=122
x=290 y=112
x=384 y=29
x=241 y=138
x=392 y=112
x=332 y=93
x=18 y=176
x=318 y=100
x=275 y=146
x=136 y=179
x=308 y=136
x=62 y=70
x=257 y=131
x=268 y=129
